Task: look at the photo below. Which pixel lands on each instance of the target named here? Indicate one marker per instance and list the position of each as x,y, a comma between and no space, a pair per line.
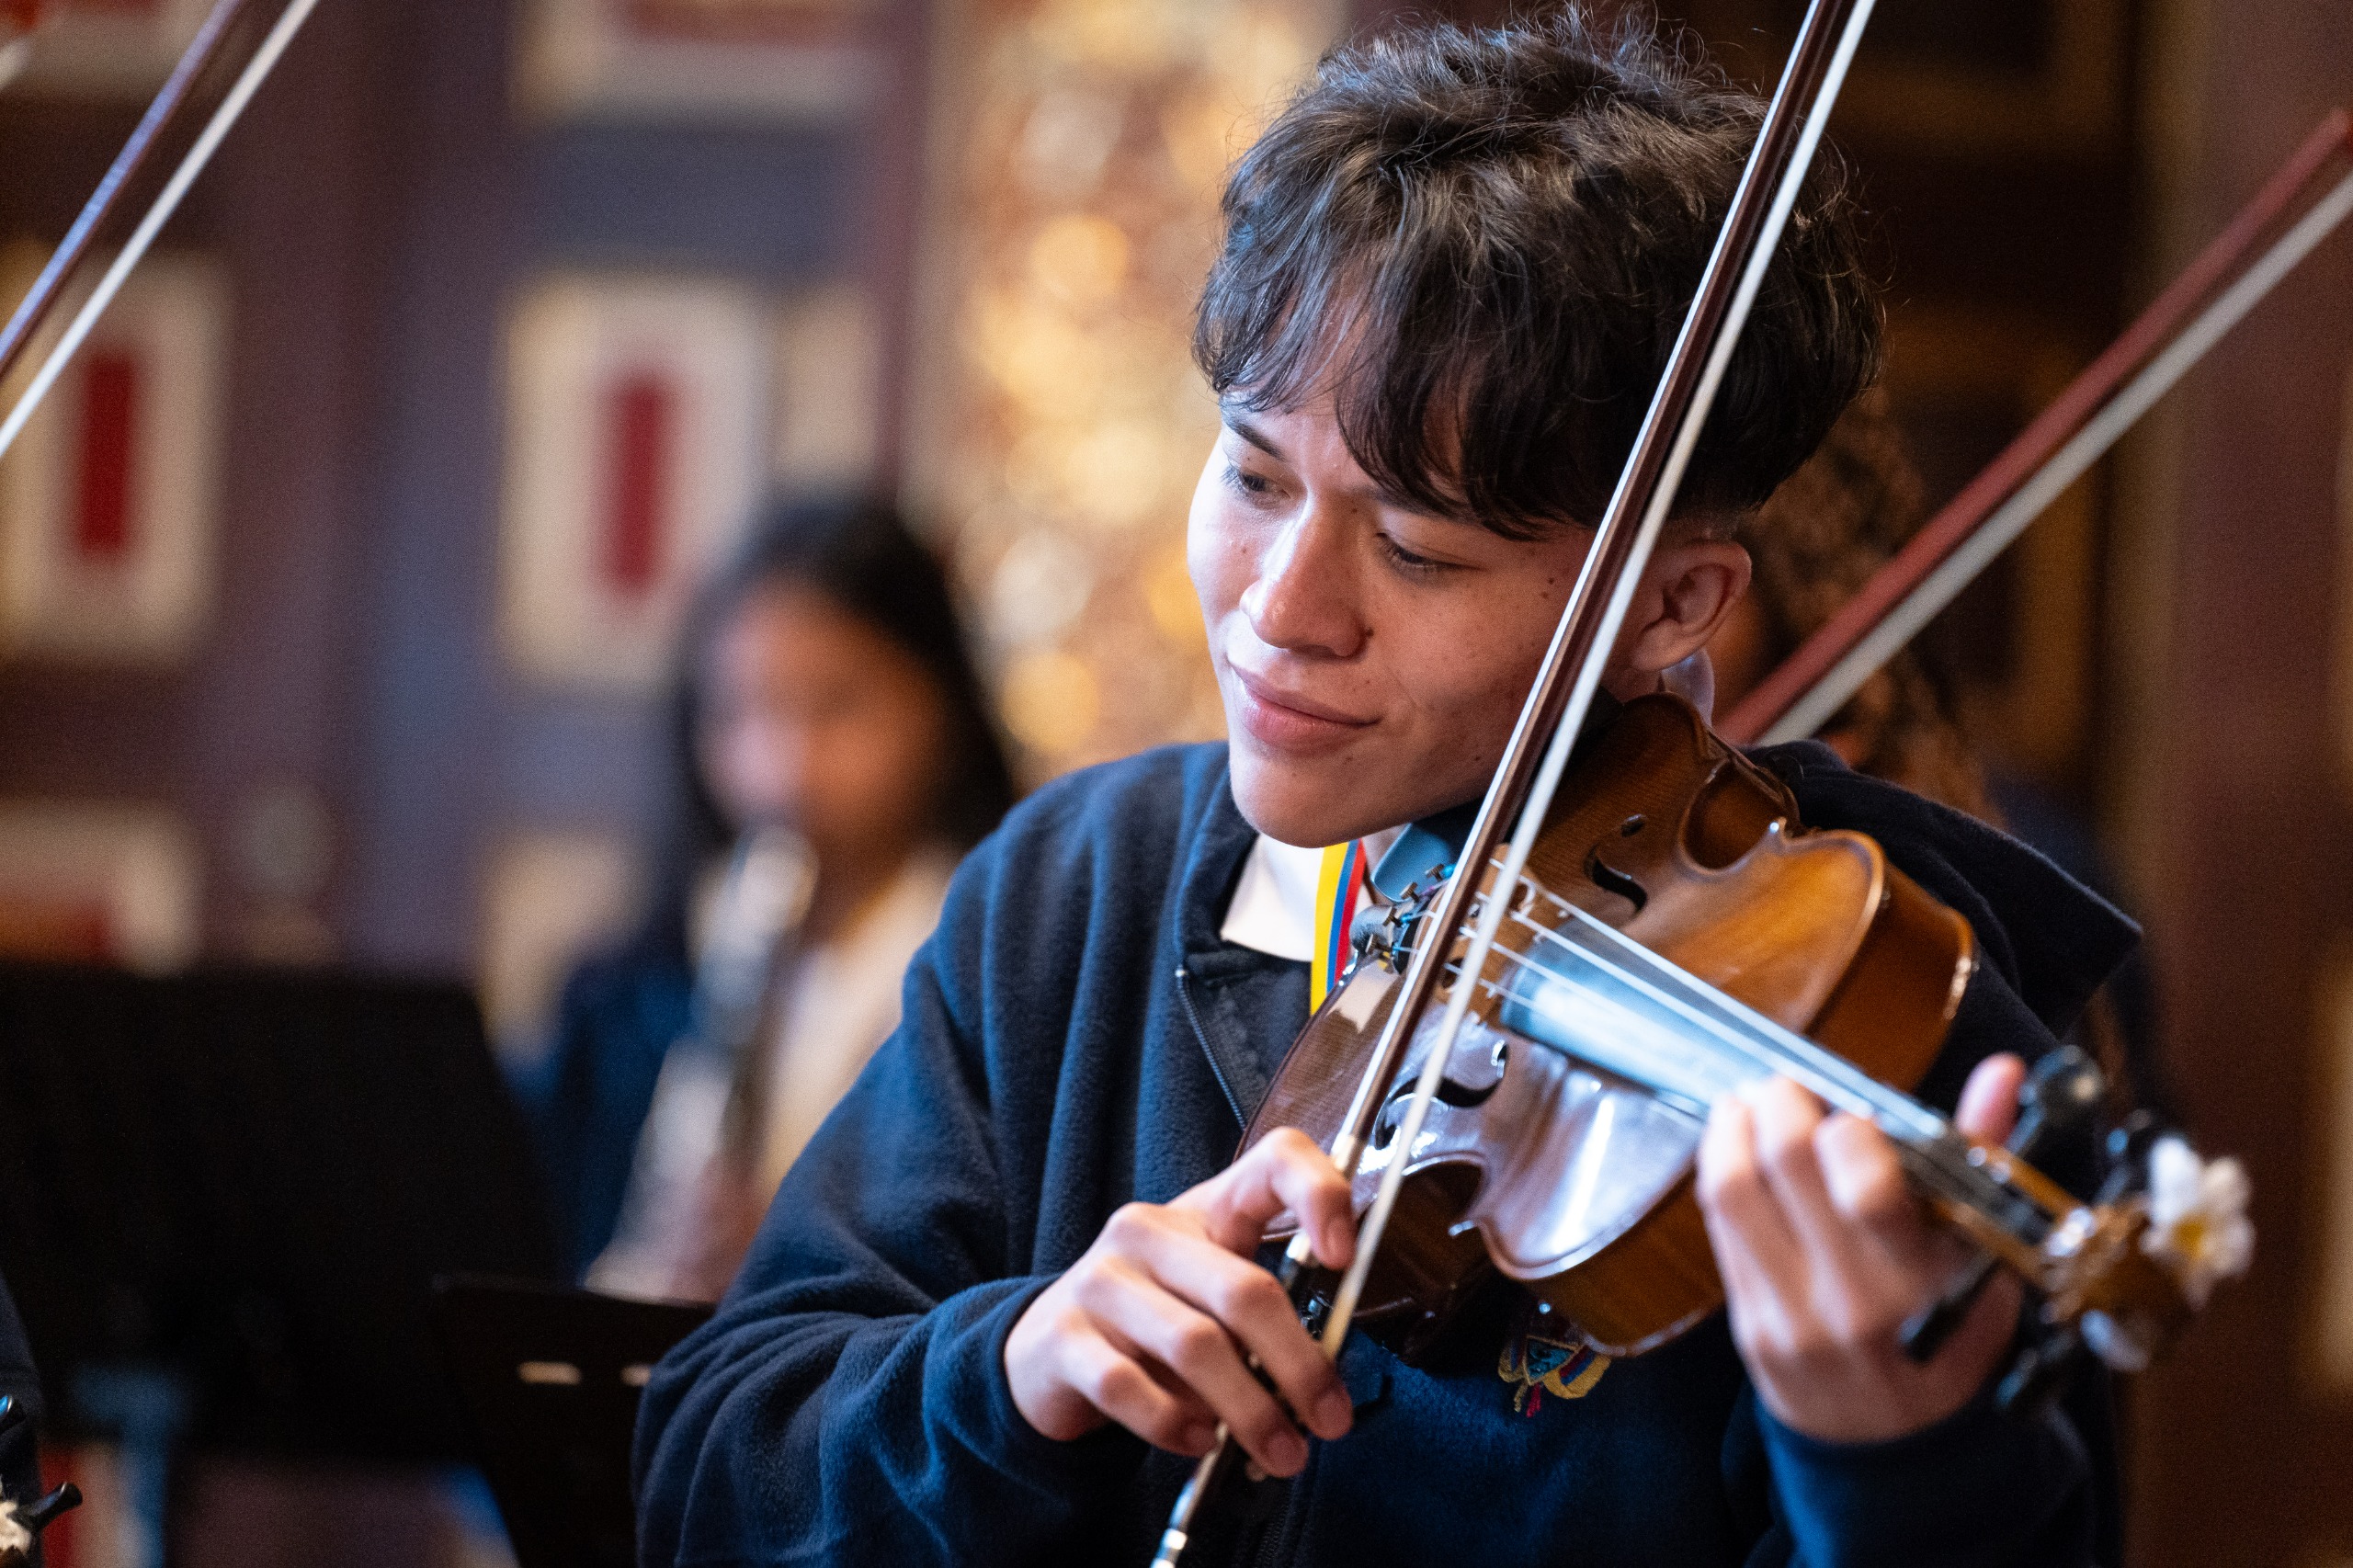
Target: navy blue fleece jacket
1076,1036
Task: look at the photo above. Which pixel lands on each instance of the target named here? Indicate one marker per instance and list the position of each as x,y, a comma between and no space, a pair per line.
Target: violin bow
1532,764
173,105
2295,211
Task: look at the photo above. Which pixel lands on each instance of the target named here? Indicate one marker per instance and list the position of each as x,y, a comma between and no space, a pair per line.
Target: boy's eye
1252,485
1407,561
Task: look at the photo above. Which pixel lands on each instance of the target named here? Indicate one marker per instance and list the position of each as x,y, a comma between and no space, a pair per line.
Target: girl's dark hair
1483,242
1835,522
859,554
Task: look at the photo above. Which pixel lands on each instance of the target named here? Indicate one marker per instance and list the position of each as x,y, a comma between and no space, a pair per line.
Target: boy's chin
1310,807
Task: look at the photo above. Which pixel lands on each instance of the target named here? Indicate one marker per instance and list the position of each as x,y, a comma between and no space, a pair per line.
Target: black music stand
550,1379
240,1186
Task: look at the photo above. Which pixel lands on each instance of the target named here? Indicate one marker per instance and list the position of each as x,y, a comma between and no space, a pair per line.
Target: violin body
1573,1181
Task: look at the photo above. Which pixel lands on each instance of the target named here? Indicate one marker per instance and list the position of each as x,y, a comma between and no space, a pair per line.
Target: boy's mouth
1289,720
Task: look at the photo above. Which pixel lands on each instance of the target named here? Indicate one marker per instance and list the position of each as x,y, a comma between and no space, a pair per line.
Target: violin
1515,1071
1676,935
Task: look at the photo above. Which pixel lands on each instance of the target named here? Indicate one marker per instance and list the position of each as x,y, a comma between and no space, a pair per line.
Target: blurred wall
345,747
2231,774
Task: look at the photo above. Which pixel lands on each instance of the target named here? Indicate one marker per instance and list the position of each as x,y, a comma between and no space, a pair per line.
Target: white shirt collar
1273,908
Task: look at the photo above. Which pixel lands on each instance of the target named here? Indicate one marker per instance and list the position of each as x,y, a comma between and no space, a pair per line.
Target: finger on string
1790,1123
1989,1102
1286,1172
1864,1183
1744,1216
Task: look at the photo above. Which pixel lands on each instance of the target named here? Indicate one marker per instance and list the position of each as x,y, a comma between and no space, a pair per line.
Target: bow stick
170,105
1534,761
2295,211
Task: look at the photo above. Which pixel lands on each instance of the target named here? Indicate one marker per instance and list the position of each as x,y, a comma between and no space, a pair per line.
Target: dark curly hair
1484,242
1835,521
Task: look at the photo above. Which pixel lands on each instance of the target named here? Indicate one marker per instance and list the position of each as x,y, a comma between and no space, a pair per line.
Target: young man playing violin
1012,1285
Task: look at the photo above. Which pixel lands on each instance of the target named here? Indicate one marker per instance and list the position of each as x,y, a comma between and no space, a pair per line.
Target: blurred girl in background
835,757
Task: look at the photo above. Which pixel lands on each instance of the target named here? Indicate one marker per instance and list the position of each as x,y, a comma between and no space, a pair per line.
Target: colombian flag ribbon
1339,893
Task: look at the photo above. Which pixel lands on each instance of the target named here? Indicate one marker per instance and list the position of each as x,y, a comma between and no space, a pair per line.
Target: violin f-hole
1461,1096
1610,878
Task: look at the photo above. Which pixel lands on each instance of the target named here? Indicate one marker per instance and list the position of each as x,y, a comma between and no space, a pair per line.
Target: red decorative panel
641,425
638,441
109,501
103,517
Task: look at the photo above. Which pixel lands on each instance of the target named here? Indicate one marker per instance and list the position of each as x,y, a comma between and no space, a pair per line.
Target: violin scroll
2126,1273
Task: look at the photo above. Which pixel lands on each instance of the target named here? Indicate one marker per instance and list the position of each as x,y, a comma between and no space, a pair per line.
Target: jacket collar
1245,1007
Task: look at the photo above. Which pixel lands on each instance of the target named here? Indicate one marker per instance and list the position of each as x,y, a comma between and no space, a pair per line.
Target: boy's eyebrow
1241,426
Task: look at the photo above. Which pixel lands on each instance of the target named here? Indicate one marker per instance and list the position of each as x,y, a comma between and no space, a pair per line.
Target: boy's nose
1302,599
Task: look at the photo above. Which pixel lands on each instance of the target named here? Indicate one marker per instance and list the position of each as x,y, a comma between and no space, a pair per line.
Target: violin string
1751,1053
1771,1043
1927,1137
1941,1165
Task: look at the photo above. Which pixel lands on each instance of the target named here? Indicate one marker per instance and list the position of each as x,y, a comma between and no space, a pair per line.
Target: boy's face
1372,657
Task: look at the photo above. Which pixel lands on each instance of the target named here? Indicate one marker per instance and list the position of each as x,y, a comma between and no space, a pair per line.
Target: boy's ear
1691,586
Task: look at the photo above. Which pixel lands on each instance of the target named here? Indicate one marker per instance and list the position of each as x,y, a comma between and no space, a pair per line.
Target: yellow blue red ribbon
1339,892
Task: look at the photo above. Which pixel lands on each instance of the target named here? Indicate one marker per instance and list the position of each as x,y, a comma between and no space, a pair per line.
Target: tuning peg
2065,1089
38,1516
2128,1155
2035,1377
1925,1332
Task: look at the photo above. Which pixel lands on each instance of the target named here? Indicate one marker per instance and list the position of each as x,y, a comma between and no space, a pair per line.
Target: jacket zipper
1193,1016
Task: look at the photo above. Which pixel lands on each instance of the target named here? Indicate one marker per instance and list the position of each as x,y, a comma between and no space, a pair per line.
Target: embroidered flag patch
1534,1365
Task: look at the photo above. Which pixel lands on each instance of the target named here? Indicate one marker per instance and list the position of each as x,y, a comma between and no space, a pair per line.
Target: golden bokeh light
1080,259
1051,700
1062,434
1175,608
